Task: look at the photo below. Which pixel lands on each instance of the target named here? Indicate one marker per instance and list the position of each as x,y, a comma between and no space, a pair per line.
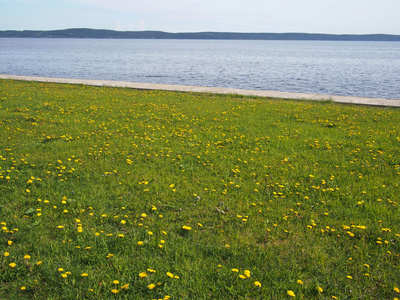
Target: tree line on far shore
112,34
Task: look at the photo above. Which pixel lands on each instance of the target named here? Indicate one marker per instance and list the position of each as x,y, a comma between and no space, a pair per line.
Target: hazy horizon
250,16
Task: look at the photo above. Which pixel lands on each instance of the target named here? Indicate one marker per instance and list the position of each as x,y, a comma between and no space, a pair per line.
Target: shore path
214,90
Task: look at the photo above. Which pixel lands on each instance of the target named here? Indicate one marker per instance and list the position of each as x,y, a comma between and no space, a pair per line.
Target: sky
310,16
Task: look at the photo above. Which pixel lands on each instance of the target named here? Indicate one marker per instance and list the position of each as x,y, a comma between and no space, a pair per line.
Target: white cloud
140,25
330,16
134,5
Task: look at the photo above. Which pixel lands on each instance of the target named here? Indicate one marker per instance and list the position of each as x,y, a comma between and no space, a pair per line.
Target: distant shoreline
87,33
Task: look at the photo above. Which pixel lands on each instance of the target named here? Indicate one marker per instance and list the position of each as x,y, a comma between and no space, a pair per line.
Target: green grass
304,195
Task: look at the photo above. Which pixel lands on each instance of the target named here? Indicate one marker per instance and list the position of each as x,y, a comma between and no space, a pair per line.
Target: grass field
117,193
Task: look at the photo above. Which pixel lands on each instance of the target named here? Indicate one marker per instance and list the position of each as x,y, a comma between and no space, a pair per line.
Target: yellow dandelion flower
6,254
235,270
23,288
300,281
151,286
247,273
114,291
396,289
140,243
143,274
123,222
151,270
187,227
291,293
115,282
320,289
169,274
257,283
84,274
27,257
12,265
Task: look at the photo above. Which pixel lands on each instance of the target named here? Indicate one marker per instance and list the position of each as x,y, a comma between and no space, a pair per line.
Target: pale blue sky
312,16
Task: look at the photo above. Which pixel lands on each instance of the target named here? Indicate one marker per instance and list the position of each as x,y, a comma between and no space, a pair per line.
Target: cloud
330,16
189,11
137,5
178,8
130,26
141,25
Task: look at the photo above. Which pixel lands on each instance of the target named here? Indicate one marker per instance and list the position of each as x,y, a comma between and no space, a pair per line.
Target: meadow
113,193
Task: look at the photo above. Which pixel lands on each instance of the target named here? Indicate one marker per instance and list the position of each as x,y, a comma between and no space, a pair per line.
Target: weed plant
113,193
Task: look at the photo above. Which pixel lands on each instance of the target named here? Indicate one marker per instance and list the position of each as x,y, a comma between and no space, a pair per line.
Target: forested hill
111,34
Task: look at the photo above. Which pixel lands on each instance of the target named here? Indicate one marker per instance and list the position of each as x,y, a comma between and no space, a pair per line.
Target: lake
363,69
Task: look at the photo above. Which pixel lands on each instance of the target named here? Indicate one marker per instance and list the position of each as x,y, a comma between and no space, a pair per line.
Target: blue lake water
364,69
